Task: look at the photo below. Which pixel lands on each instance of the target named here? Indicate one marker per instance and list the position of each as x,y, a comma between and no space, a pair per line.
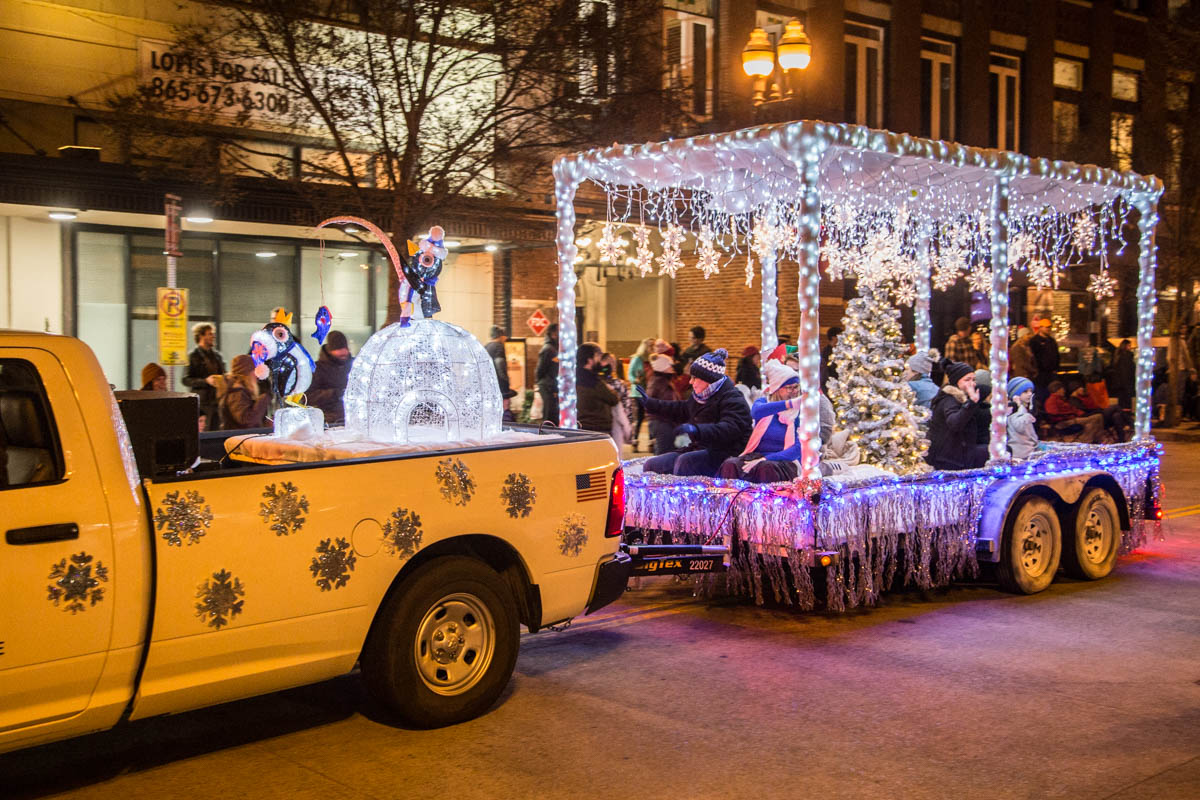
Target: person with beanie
952,426
238,399
594,399
983,409
154,378
714,420
920,365
774,448
330,377
1022,425
658,387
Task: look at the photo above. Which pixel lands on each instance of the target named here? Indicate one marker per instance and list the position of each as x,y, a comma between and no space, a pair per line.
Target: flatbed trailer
1075,505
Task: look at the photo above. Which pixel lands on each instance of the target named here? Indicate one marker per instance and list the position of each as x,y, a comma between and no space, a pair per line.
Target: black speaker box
164,428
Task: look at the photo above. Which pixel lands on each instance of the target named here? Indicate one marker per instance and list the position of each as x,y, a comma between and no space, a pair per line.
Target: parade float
900,216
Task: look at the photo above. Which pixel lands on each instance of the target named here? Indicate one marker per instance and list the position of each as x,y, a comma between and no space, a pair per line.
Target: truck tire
444,645
1091,551
1031,547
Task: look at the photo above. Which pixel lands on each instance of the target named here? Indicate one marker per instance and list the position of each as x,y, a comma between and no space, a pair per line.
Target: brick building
1066,79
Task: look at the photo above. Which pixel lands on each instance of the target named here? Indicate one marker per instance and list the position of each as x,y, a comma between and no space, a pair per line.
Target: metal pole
567,177
171,207
1147,206
998,359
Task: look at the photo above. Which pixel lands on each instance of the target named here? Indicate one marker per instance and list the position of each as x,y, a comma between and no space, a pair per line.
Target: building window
937,89
1130,5
1174,162
1125,85
1005,73
1066,128
1068,74
689,68
597,62
1122,140
864,74
1177,96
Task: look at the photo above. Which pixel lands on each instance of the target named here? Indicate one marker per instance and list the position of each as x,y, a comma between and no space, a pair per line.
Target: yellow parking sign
172,326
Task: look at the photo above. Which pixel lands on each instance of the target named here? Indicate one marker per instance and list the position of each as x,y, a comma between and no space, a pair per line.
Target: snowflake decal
455,480
333,564
220,599
76,583
402,533
572,534
284,508
644,255
184,517
518,495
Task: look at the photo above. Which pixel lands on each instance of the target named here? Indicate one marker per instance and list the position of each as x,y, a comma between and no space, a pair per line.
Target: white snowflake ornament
1102,285
708,260
644,255
611,247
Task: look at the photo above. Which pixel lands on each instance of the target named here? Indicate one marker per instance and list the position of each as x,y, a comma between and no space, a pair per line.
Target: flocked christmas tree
870,395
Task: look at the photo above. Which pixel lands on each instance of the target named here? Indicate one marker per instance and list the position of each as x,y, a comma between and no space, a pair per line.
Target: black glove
639,393
687,428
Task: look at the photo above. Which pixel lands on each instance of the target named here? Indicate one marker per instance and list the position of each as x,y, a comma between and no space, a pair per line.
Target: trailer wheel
1092,551
444,645
1031,547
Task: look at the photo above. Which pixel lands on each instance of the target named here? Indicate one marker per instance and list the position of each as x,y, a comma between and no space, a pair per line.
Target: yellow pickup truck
129,595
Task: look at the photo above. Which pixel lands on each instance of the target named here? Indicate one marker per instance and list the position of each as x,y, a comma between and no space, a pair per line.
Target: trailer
911,215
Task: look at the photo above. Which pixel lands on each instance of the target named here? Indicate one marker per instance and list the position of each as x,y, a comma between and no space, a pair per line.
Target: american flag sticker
591,485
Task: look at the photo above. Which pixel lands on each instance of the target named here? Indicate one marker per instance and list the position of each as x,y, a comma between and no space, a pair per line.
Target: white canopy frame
747,169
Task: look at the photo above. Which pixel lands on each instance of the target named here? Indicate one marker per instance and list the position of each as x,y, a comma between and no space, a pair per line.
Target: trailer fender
1002,495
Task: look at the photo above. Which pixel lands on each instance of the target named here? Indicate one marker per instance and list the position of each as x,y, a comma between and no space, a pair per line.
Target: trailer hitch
677,559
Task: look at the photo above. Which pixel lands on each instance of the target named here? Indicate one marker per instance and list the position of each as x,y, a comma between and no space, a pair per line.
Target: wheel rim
1036,544
454,645
1099,530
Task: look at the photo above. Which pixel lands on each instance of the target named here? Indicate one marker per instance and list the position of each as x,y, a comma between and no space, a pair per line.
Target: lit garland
923,527
926,194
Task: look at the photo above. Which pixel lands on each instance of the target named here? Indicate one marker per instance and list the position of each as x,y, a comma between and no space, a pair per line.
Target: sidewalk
1183,432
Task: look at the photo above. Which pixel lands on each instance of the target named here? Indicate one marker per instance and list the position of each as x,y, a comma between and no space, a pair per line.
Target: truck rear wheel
444,645
1031,547
1091,552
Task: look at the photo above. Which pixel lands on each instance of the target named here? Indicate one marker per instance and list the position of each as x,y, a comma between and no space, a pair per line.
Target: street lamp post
794,52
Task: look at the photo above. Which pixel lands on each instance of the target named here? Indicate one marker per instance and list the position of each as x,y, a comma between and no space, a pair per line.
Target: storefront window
102,314
255,278
343,284
148,271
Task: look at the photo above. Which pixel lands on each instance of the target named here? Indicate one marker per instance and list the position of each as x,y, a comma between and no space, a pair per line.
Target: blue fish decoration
324,321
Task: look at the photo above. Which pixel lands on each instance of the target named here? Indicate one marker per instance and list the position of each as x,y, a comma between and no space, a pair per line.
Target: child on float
1022,425
714,422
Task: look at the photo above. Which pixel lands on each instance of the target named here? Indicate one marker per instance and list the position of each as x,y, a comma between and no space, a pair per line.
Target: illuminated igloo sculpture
429,381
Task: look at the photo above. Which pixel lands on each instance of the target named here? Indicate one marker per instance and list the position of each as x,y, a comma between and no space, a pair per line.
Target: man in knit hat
330,377
715,420
952,426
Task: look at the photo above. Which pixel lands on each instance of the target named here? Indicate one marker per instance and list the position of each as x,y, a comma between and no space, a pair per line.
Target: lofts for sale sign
230,87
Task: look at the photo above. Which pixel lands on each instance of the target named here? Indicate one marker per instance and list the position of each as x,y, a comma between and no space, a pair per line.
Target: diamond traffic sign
538,322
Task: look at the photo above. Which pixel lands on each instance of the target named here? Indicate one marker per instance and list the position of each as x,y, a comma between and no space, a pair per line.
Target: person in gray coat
1022,427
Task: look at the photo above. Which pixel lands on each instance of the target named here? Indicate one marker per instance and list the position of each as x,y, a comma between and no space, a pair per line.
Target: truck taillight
615,525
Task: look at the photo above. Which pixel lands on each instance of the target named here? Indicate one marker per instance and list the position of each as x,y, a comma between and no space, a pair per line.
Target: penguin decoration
277,354
423,270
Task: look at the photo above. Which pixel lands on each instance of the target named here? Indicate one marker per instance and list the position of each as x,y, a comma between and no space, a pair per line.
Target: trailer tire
444,645
1031,547
1095,538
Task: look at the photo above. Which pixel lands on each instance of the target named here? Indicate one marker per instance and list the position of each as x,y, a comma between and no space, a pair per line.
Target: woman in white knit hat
774,447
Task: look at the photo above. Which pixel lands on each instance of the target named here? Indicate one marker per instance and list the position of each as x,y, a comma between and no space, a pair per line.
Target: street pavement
1088,690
